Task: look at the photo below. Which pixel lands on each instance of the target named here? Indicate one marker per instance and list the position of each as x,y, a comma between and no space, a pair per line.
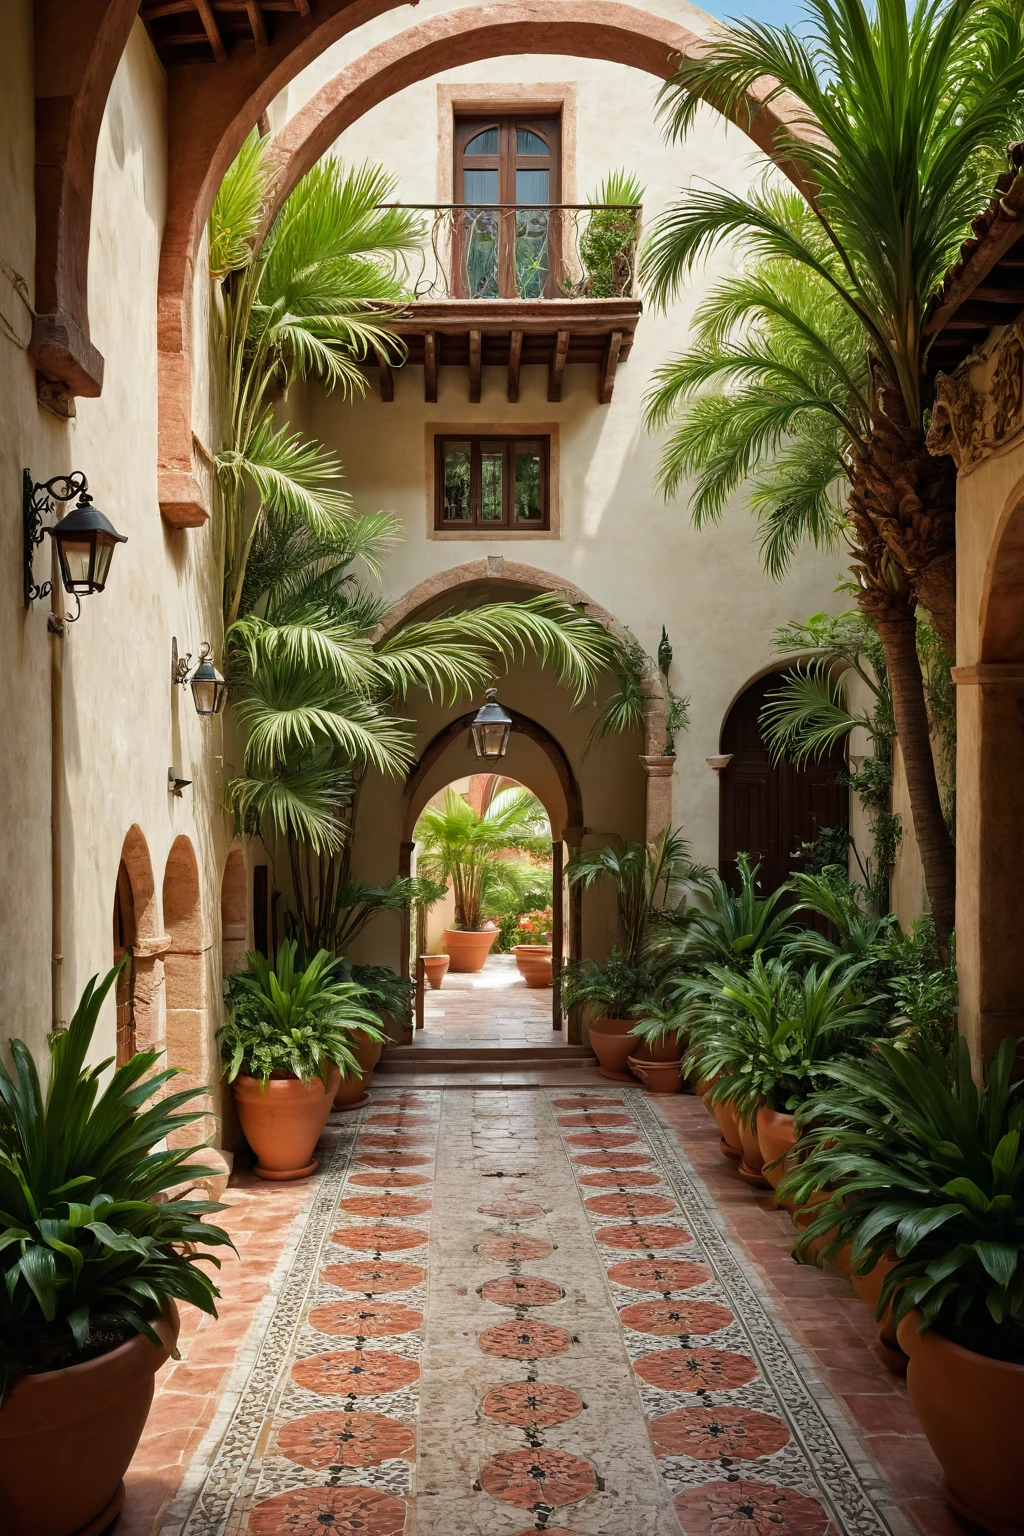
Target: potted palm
287,1047
533,955
93,1256
461,847
614,992
928,1178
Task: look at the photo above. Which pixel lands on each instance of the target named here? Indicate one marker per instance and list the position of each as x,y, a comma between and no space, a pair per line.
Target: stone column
659,772
990,854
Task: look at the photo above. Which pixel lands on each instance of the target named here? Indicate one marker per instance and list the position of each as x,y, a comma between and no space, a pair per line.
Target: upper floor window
491,482
507,178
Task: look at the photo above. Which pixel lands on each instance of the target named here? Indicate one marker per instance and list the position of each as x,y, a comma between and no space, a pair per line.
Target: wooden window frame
507,161
508,524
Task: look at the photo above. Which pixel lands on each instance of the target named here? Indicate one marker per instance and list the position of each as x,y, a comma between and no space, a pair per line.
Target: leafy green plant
512,888
767,1033
89,1253
644,875
335,906
616,989
462,847
926,1166
292,1021
609,240
384,989
728,927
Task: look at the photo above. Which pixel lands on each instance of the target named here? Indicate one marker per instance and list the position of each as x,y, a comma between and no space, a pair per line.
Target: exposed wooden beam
212,30
430,368
556,367
385,377
259,26
515,357
168,8
302,6
608,367
475,368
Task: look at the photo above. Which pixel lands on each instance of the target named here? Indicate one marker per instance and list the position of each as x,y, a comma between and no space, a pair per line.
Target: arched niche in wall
233,913
769,809
139,991
189,1036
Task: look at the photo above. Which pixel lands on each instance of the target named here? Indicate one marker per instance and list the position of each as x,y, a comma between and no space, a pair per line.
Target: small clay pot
776,1137
656,1076
970,1408
90,1417
612,1041
728,1124
468,950
282,1121
435,968
752,1160
534,963
869,1289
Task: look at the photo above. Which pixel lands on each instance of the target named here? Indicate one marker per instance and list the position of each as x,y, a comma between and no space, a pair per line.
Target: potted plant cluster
288,1049
613,993
533,954
462,848
93,1256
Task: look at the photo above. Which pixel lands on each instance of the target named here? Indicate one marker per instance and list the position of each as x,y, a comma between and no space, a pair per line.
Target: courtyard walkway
494,1313
494,1008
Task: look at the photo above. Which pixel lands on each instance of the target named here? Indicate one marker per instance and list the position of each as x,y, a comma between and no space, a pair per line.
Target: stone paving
494,1313
493,1008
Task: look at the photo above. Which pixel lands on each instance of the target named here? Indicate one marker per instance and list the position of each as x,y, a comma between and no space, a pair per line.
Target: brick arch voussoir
209,121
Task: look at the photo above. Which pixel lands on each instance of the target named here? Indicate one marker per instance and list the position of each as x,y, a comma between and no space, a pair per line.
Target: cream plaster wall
123,723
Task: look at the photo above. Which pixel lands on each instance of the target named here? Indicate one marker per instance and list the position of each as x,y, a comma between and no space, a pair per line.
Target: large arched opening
137,947
189,1036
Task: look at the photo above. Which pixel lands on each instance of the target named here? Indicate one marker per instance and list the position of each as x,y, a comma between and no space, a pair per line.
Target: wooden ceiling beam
608,367
257,23
556,368
212,30
385,377
475,367
515,358
430,368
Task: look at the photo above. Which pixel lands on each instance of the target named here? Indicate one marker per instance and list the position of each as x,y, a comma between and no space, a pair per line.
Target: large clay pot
67,1437
776,1136
971,1409
351,1091
869,1289
662,1050
435,968
534,962
728,1124
282,1121
657,1076
468,950
752,1160
612,1041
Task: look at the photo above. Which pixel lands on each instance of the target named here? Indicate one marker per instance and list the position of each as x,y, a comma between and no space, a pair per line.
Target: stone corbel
152,948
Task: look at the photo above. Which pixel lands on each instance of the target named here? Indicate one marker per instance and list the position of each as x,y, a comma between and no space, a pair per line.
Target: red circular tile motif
612,1159
384,1205
321,1440
380,1239
667,1317
365,1319
392,1159
747,1508
394,1139
709,1433
618,1178
367,1276
695,1370
605,1141
644,1235
512,1210
512,1248
590,1118
389,1180
532,1404
362,1371
538,1479
630,1205
525,1340
522,1291
329,1512
659,1274
586,1101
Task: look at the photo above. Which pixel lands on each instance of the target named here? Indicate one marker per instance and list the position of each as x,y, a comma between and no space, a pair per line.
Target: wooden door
768,810
507,178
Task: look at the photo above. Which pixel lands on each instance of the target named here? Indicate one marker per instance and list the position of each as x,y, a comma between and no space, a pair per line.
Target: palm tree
776,399
462,847
645,876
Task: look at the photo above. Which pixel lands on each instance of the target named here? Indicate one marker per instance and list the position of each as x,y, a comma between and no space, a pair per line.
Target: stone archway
210,116
189,1043
140,992
233,913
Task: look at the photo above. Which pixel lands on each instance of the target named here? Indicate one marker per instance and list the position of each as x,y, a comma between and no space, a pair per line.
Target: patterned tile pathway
504,1313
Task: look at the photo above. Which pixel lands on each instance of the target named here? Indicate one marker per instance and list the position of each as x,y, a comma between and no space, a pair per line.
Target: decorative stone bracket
971,423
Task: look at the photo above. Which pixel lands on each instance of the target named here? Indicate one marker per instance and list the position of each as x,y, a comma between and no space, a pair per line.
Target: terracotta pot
534,962
664,1050
802,1216
351,1091
657,1076
612,1041
776,1136
67,1437
728,1124
467,951
282,1121
869,1289
752,1161
970,1408
435,967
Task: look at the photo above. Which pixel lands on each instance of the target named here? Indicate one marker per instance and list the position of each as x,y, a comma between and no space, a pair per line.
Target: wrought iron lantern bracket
39,508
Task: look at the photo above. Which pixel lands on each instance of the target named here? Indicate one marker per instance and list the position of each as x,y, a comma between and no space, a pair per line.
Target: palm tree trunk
898,633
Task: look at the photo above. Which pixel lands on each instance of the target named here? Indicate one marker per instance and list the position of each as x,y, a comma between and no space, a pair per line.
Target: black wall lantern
84,539
209,690
490,727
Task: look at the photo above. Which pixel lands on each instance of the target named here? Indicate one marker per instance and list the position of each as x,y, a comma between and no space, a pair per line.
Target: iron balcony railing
506,251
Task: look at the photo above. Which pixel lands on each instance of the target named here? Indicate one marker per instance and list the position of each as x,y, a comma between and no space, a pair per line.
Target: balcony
514,286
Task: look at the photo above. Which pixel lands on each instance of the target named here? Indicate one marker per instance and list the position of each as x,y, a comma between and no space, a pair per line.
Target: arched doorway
189,1038
769,809
138,990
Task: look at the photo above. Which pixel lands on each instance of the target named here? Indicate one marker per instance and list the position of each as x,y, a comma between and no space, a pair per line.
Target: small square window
491,483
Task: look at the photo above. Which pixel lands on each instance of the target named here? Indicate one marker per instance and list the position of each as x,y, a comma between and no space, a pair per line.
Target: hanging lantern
85,541
490,727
